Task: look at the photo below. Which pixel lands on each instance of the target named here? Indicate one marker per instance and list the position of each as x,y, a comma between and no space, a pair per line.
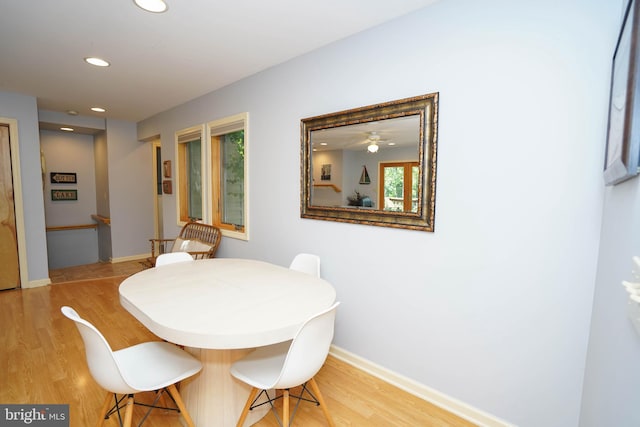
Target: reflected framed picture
325,173
623,133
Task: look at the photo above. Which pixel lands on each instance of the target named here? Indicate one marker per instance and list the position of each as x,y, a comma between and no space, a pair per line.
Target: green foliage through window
233,178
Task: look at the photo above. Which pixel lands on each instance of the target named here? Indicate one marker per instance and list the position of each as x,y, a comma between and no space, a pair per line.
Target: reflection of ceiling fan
373,141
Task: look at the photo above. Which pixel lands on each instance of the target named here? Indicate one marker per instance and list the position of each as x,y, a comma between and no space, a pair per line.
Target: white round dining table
220,309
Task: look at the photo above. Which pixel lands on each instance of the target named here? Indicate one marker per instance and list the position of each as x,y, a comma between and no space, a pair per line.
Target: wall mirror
372,165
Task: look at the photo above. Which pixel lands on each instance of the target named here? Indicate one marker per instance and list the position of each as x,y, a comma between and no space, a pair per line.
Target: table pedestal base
214,398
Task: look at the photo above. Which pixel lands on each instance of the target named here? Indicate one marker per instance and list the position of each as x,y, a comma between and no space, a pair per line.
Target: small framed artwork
63,178
166,186
623,134
57,195
167,168
325,173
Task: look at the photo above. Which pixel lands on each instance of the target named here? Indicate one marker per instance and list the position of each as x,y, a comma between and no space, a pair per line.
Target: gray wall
70,152
612,376
493,308
25,110
103,207
131,191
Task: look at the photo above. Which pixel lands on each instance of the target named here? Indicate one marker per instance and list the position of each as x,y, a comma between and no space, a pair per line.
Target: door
9,267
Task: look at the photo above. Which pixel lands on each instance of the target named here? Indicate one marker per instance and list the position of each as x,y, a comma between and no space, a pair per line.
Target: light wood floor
97,270
42,362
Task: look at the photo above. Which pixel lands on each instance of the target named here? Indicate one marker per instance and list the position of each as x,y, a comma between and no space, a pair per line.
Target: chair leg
183,409
162,398
104,409
285,407
323,405
128,414
245,410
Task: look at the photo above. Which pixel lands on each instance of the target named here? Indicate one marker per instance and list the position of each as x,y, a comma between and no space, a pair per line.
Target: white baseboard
140,257
467,412
36,283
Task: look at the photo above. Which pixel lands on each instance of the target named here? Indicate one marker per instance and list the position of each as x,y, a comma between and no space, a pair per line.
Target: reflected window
399,186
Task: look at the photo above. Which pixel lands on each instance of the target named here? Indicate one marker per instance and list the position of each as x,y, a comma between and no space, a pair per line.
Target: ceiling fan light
372,148
98,62
155,6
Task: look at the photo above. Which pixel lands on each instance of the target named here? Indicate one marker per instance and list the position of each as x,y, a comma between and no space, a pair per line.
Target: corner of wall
36,283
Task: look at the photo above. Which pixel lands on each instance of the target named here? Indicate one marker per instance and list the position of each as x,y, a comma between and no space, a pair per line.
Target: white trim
247,187
139,257
461,409
36,283
17,200
157,199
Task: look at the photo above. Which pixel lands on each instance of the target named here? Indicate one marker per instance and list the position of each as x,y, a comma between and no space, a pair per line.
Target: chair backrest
102,365
201,239
308,350
173,257
306,263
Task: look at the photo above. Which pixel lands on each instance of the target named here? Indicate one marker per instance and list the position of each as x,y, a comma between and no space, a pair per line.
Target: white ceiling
163,60
389,134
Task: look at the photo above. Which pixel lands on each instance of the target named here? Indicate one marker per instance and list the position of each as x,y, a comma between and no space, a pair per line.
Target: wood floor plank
42,361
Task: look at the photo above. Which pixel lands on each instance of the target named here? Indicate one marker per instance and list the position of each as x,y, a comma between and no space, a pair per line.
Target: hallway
97,270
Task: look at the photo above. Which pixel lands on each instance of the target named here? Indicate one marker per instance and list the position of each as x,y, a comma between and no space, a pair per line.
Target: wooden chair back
198,239
205,233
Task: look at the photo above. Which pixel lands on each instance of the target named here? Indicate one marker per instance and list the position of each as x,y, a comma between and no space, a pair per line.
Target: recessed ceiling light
156,6
72,112
98,109
98,62
67,129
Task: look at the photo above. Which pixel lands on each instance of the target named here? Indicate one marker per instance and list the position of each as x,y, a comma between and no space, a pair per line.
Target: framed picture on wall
167,168
63,178
58,195
166,186
623,133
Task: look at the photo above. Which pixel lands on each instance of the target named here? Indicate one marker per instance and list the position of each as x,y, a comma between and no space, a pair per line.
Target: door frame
17,199
158,222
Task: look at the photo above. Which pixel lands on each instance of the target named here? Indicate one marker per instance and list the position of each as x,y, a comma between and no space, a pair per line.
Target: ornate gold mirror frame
344,137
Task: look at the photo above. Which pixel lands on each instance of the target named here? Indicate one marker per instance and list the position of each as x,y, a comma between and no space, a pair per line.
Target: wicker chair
199,240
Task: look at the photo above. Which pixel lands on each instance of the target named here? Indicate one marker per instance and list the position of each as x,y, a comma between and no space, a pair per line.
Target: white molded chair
289,364
307,263
173,257
150,366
